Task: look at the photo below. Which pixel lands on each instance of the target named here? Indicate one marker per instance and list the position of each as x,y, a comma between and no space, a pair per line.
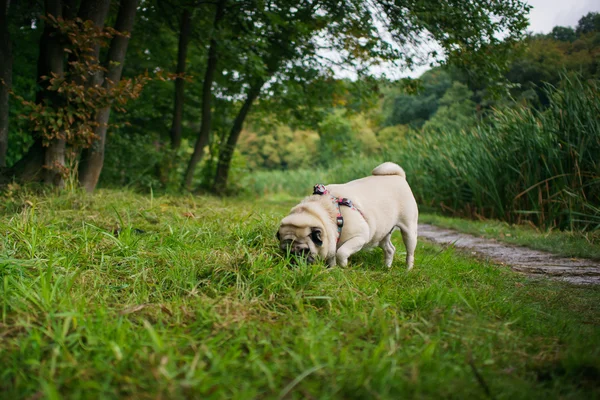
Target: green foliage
278,147
489,37
342,136
271,145
456,111
132,161
68,112
337,139
406,109
589,23
563,34
23,82
545,60
392,135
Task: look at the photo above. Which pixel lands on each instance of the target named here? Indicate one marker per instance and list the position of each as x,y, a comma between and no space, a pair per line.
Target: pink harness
321,190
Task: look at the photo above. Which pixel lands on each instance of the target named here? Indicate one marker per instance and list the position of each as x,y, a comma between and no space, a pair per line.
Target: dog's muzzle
300,253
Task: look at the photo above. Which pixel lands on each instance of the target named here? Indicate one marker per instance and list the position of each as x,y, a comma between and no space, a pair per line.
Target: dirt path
521,259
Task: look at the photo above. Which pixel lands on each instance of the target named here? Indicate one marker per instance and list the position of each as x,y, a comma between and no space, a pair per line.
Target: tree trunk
51,59
30,166
184,39
54,8
226,153
92,159
203,134
167,164
54,155
95,11
54,163
5,78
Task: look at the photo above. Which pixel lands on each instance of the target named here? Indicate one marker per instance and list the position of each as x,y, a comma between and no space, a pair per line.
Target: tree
227,148
563,34
286,44
185,29
457,111
350,27
50,63
253,55
543,62
272,145
298,122
205,124
92,158
588,23
96,12
5,78
76,90
484,46
402,108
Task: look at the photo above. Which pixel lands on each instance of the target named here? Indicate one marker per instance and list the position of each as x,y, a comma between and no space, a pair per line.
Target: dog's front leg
349,247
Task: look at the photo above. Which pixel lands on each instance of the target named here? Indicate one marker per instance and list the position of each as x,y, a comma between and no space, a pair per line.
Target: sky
545,15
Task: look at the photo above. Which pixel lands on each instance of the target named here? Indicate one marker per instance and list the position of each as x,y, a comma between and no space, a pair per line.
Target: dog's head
302,235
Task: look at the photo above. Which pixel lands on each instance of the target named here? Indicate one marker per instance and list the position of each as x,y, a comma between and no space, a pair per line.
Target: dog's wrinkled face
302,242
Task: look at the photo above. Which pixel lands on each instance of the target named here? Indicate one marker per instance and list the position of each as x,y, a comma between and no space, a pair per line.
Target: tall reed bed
522,164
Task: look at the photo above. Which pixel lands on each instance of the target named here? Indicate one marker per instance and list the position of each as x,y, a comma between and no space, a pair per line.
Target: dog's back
385,197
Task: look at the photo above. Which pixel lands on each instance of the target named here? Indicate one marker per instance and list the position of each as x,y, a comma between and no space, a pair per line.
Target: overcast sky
546,14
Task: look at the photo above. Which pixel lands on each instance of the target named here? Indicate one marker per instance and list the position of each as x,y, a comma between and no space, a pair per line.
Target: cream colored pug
340,220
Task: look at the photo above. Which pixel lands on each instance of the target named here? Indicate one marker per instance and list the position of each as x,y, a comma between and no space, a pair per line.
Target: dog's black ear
316,237
278,236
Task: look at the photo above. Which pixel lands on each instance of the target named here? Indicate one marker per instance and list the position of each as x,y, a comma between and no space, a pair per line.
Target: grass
126,296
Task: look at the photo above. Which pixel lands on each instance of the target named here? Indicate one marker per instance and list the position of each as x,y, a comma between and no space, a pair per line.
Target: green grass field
119,295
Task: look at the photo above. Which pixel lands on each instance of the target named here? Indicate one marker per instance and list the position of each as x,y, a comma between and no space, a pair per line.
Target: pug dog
342,219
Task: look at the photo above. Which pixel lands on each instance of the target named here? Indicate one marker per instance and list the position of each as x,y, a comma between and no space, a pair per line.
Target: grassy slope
199,304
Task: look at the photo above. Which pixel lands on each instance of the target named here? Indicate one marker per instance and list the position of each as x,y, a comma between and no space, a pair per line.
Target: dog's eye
315,236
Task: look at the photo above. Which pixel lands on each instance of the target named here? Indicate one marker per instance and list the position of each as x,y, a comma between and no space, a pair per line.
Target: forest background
242,98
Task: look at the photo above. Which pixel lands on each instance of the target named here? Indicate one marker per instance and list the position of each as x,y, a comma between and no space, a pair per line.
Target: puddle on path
522,259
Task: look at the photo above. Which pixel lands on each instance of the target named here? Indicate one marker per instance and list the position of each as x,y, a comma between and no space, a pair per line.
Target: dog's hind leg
330,262
388,249
409,236
347,249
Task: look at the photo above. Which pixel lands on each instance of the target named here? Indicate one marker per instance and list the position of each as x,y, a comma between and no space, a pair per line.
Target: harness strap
321,190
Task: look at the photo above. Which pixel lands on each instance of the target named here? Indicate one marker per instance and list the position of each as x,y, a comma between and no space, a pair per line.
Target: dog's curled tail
389,168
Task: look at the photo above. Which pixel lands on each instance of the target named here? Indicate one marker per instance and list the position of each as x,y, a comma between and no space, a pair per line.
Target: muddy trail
535,263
